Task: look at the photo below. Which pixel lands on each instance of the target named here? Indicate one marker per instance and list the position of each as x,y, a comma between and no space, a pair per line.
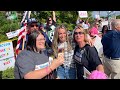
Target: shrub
8,73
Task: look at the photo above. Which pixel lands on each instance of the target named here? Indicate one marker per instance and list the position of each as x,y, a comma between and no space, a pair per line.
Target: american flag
23,30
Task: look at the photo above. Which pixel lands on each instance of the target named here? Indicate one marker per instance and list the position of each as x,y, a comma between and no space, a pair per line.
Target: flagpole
24,39
24,16
29,13
23,31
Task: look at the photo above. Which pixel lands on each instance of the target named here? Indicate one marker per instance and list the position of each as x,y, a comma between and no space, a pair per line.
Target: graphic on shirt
77,58
78,54
37,67
51,34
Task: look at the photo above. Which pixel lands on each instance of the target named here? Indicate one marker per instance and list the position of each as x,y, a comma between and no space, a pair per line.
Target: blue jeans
66,72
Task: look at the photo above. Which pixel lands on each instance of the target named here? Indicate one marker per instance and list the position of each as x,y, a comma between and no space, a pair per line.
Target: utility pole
99,13
109,22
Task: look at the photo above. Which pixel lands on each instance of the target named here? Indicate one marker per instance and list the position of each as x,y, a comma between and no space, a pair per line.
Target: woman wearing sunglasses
85,56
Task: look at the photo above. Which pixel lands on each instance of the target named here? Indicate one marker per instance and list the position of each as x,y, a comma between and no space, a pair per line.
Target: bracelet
48,71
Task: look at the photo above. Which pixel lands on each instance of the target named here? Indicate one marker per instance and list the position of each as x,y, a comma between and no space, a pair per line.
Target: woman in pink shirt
94,30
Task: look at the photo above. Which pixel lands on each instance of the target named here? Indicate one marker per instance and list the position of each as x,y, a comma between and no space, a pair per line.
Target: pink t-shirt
93,31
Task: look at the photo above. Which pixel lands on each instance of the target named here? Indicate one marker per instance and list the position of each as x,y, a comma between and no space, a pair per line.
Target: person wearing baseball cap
32,24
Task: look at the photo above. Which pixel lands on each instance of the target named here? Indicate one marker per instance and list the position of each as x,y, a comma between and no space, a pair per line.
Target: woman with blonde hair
61,44
85,55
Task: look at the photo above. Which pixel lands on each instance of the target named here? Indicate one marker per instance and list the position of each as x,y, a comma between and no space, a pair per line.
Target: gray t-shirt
29,61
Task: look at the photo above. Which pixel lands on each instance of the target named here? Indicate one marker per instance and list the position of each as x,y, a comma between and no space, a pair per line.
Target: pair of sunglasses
34,25
79,33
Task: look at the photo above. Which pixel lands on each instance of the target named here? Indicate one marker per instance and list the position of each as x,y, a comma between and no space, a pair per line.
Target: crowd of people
91,47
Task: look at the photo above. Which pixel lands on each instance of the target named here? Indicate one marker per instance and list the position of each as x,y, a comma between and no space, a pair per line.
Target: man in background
111,50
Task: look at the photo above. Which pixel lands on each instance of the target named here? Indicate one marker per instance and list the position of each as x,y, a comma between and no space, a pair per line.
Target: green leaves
66,17
8,73
7,26
118,17
12,16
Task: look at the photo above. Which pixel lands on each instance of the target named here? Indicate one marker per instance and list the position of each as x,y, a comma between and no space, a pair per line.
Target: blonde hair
56,40
82,30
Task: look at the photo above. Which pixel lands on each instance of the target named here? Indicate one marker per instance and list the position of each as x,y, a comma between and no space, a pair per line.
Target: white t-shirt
98,45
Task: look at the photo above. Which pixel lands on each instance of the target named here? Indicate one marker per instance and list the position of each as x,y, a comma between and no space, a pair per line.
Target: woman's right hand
58,61
90,41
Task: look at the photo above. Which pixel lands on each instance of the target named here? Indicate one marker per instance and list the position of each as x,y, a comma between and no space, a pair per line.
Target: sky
105,13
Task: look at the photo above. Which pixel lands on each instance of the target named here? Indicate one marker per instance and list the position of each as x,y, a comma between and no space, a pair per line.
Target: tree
118,17
7,26
66,17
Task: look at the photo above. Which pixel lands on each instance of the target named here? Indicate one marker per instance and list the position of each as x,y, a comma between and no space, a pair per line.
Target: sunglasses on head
79,33
34,25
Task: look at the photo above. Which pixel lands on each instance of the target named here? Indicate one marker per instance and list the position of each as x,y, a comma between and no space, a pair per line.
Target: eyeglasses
79,33
34,25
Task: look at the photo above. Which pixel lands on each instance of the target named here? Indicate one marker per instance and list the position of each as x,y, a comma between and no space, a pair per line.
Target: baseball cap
31,20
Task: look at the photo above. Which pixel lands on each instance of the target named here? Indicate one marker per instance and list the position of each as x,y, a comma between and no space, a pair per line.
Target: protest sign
7,63
7,58
83,14
13,34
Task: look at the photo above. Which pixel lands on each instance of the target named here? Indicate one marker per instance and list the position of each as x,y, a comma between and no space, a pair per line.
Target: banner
7,63
13,34
104,23
97,16
7,58
6,50
83,14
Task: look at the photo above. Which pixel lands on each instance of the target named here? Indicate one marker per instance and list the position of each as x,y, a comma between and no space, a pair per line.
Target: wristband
48,71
